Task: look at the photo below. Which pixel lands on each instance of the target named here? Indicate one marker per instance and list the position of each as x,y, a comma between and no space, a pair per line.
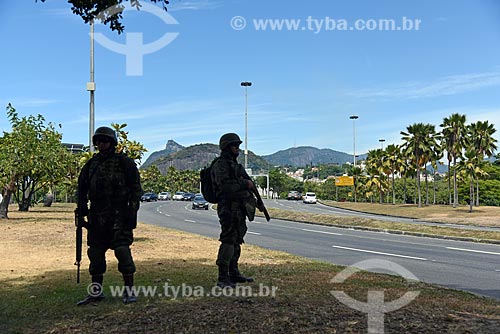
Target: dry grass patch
483,215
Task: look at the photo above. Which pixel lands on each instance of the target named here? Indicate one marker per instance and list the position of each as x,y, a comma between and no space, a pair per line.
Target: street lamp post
354,118
382,142
246,84
91,88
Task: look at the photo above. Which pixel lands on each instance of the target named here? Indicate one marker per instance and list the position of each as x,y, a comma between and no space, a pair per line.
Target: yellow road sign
344,181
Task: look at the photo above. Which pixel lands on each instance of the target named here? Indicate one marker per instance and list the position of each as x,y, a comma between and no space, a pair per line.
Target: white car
178,196
309,198
164,196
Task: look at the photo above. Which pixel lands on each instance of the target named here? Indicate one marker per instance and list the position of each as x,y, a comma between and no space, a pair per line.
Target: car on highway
309,198
294,195
188,196
148,197
200,203
164,196
178,196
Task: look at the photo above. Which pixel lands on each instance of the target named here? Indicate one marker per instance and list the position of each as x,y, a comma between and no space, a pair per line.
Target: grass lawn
38,290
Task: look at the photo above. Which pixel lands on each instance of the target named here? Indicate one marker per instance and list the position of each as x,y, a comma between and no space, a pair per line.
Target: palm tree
454,141
436,155
481,140
395,161
377,167
470,167
418,142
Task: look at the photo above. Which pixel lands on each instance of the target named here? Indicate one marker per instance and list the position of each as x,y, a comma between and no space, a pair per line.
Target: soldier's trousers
232,220
102,238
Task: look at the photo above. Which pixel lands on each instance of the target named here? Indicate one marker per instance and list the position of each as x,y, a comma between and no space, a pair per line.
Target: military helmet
228,139
104,131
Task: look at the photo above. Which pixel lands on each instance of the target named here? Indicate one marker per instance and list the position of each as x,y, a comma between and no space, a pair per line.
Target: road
460,265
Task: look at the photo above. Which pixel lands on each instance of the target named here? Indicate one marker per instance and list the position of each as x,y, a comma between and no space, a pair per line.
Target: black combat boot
128,281
235,276
223,280
96,293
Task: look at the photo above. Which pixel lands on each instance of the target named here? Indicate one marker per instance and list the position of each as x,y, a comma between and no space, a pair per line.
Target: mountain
307,155
170,148
198,156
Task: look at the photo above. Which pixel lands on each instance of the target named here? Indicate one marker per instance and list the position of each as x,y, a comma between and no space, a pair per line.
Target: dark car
188,196
199,203
294,195
148,197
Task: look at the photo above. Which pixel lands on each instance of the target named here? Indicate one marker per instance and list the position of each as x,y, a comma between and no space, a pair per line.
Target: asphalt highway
459,265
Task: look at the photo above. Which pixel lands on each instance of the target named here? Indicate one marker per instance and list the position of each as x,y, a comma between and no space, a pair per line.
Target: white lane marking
472,250
324,232
254,233
190,221
381,253
166,214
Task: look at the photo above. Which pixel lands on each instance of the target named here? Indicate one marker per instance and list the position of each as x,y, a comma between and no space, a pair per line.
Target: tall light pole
91,88
382,140
354,118
246,84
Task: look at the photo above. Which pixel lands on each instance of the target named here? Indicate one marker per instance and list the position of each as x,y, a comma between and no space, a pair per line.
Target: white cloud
450,85
193,5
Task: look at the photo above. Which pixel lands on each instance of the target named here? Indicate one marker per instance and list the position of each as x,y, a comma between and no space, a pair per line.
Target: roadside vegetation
38,289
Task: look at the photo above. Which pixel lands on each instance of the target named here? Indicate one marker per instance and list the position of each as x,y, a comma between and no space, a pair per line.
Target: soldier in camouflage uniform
234,201
110,181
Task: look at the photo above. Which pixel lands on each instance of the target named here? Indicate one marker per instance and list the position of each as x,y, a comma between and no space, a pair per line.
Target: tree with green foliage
454,132
109,12
470,168
418,142
33,157
480,138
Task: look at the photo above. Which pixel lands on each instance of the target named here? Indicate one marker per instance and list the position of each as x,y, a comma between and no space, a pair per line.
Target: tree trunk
477,192
393,191
404,190
418,187
24,204
449,180
7,194
471,194
455,190
426,189
4,205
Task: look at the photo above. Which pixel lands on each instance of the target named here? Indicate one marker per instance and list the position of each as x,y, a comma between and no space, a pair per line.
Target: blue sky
307,80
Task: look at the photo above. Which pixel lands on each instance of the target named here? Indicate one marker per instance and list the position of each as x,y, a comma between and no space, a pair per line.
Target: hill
198,156
307,155
170,148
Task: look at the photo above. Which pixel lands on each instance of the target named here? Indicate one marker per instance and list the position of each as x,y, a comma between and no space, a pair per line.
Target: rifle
78,260
260,203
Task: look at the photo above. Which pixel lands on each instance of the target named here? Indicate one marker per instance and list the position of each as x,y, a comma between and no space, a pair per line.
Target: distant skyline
311,65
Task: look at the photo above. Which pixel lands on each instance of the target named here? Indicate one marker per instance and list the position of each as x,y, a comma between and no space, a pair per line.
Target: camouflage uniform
111,183
233,194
